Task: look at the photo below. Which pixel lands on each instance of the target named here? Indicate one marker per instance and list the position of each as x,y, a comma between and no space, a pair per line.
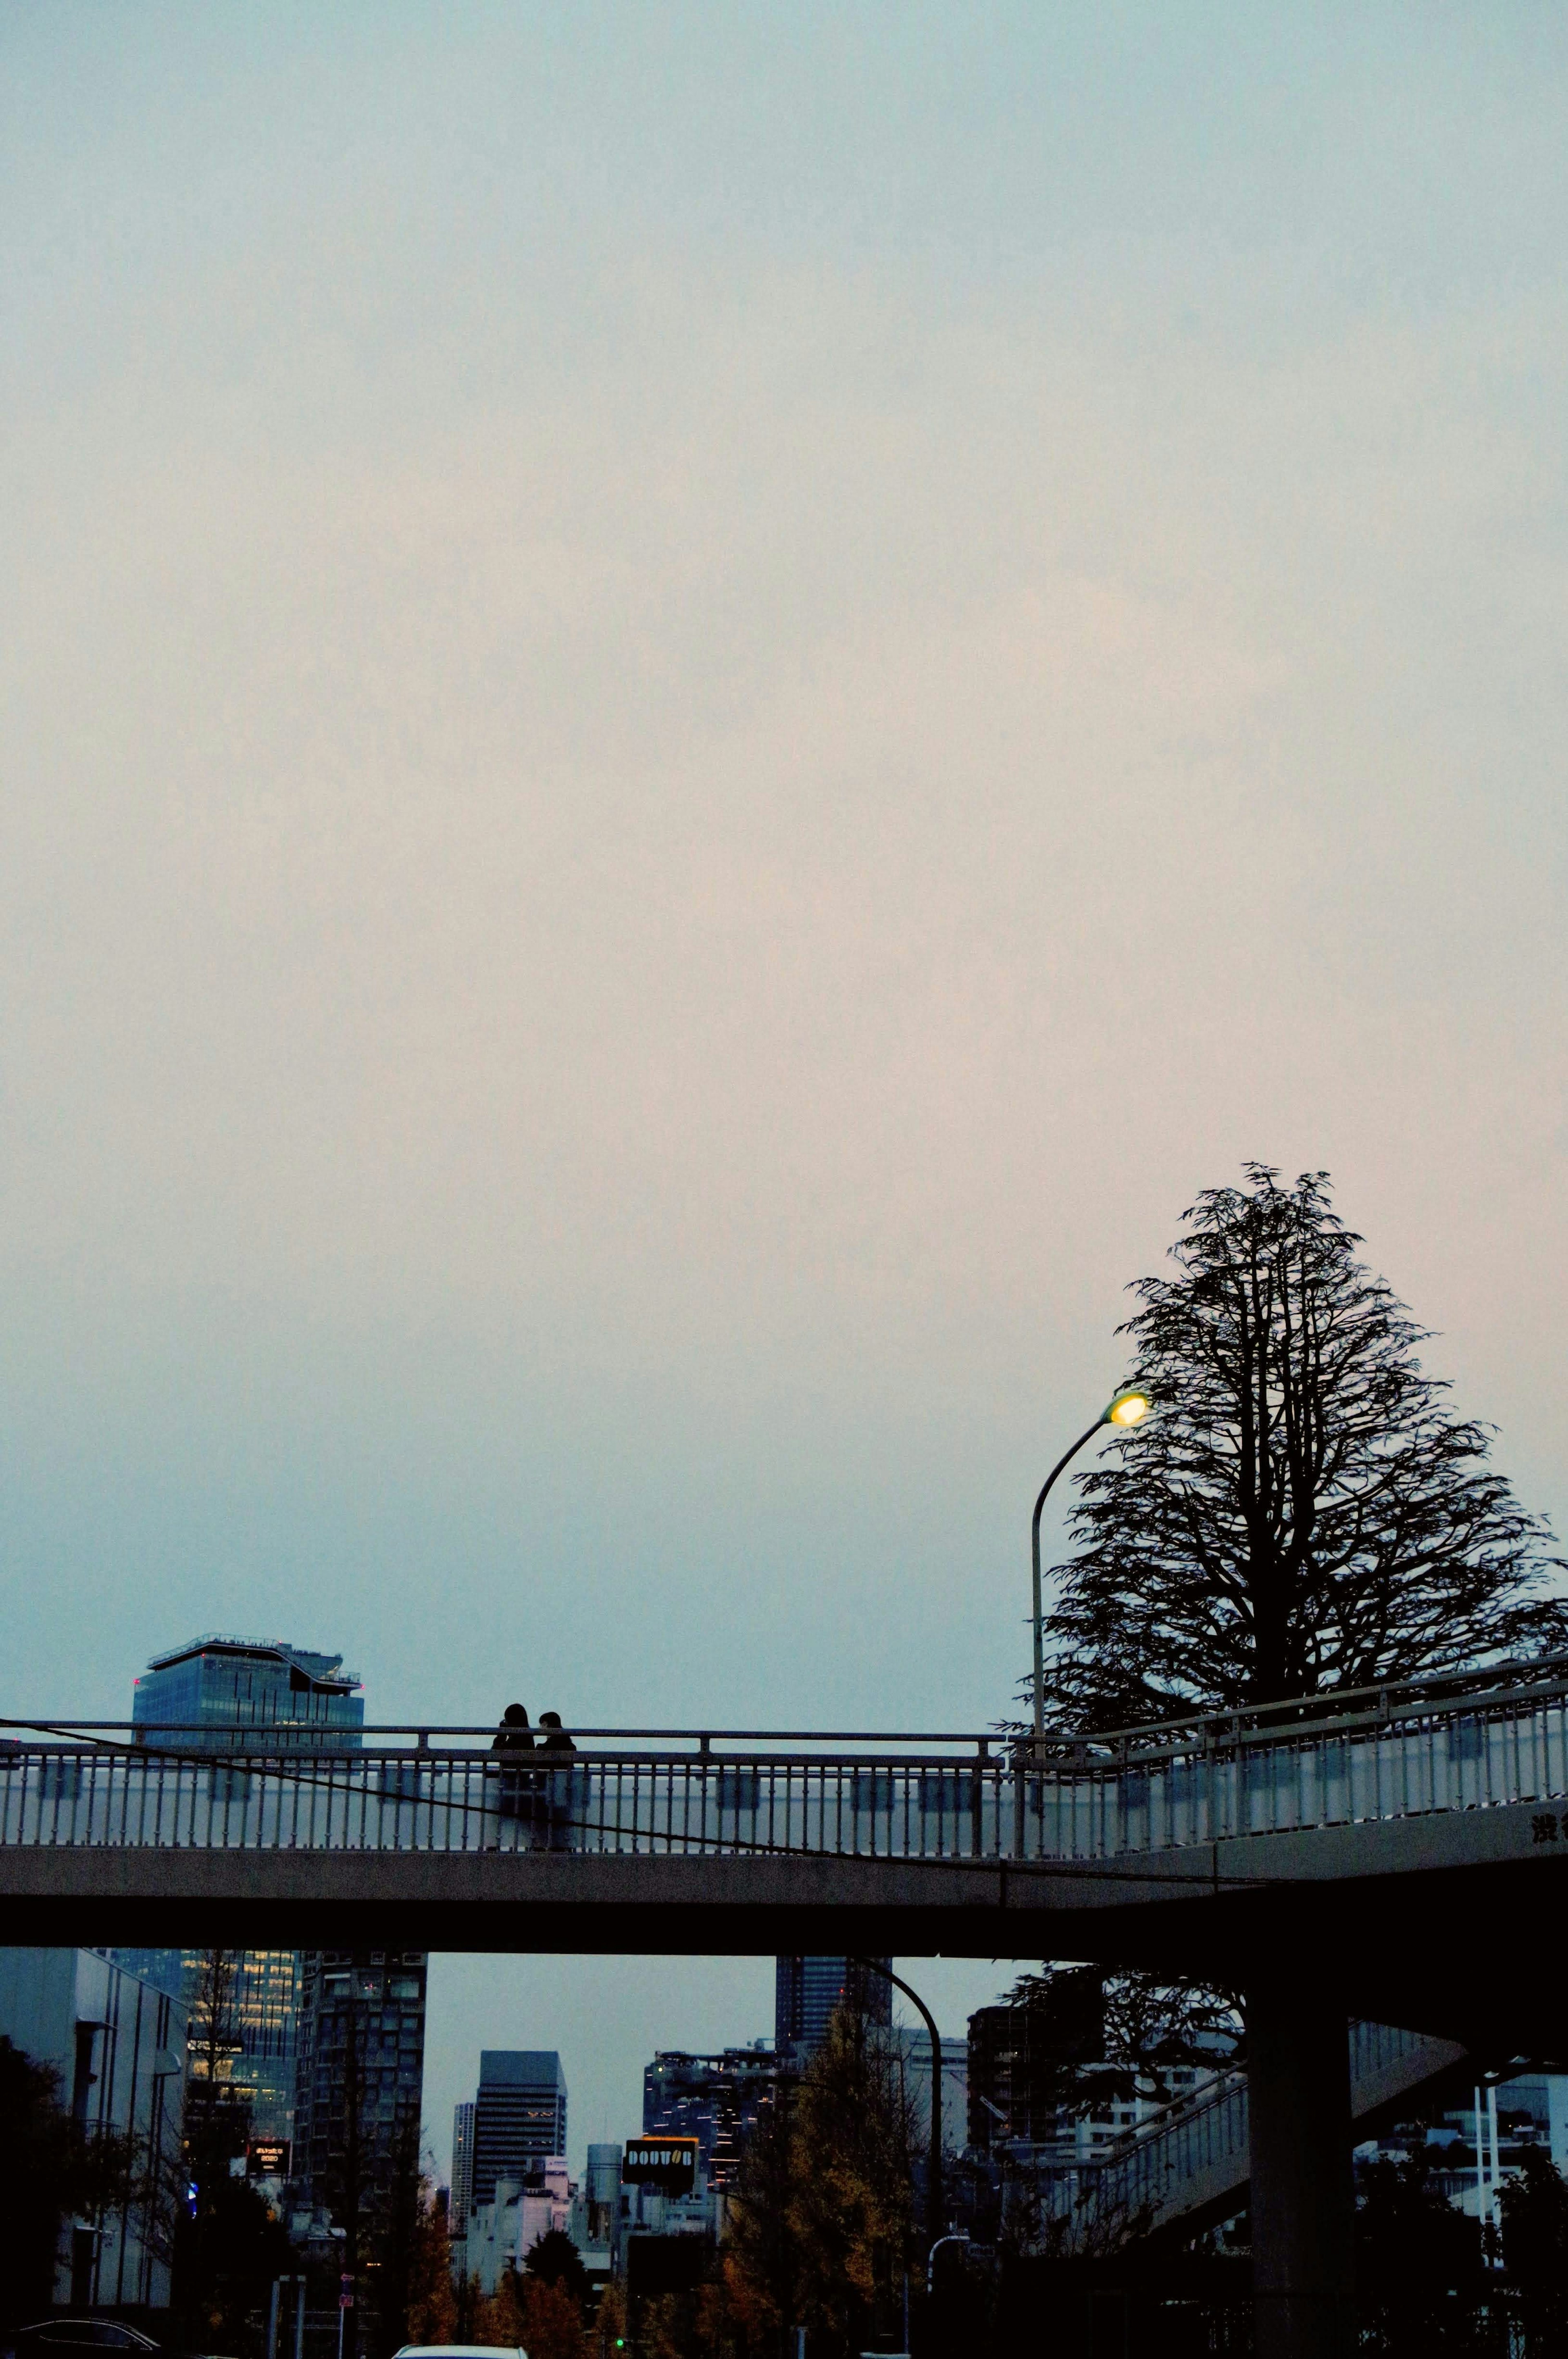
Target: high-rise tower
462,2170
519,2115
808,1993
212,1695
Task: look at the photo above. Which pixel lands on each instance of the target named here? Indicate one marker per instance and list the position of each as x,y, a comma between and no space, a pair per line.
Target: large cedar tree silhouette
1304,1512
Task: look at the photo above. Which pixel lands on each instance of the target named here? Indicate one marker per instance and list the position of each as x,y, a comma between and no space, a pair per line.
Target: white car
462,2351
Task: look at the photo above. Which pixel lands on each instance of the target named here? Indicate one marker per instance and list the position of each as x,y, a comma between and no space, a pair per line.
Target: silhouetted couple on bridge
539,1798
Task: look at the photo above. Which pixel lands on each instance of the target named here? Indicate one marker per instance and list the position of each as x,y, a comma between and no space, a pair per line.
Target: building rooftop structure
215,1691
718,2100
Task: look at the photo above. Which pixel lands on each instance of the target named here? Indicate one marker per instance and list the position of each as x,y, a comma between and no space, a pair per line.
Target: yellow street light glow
1128,1409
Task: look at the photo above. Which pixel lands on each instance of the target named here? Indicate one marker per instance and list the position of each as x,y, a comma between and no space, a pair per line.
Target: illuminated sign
267,2159
668,2163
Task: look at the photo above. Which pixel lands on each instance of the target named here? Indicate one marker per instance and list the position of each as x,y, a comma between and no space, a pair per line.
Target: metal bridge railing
1197,2148
1449,1745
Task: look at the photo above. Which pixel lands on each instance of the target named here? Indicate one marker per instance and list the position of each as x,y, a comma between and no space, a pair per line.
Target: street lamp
934,2205
1128,1408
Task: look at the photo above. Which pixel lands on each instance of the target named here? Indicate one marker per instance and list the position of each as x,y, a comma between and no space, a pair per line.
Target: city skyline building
912,2044
361,2075
808,1993
717,2099
259,2033
216,1692
601,2195
461,2197
119,2045
520,2117
503,2230
220,1692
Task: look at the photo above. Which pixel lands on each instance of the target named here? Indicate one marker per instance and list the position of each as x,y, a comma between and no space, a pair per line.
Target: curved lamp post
934,2204
1127,1408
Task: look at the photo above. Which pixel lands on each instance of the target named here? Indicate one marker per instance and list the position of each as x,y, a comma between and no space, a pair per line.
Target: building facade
360,2089
600,2202
118,2047
461,2203
913,2048
220,1692
718,2100
808,1993
502,2232
519,2117
254,1996
211,1695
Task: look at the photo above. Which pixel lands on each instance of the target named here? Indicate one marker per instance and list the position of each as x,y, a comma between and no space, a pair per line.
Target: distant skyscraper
718,2100
808,1993
1015,2060
361,2061
462,2170
519,2117
216,1692
211,1694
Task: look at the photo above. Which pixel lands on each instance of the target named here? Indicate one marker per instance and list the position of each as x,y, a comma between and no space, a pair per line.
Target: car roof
97,2331
65,2325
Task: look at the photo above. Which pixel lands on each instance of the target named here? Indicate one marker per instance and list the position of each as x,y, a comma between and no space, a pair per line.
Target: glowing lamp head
1129,1407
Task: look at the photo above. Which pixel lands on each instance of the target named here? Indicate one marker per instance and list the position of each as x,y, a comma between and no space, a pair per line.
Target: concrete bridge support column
1302,2202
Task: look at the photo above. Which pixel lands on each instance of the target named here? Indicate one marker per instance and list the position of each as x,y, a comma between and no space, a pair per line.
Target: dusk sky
700,704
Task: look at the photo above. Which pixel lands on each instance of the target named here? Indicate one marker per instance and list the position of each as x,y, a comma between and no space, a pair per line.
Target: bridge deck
1392,1754
1352,1826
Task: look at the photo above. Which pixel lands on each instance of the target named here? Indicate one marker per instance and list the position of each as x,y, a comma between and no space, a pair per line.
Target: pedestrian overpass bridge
1393,1855
1399,1836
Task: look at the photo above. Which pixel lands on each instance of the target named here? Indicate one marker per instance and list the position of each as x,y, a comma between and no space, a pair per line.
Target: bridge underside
1442,1923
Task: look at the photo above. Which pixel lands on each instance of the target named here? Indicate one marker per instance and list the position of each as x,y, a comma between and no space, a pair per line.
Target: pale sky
699,703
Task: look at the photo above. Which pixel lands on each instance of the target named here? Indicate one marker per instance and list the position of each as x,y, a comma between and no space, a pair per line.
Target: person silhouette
513,1736
556,1780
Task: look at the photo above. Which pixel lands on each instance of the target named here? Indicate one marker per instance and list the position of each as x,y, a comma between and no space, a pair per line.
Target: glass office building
808,1993
218,1691
209,1695
256,1994
519,2117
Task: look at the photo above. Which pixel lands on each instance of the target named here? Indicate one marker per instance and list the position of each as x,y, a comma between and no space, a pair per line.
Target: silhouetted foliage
1302,1511
754,2300
1535,2249
1419,2276
552,2319
1104,2039
554,2259
52,2168
410,2274
821,2224
226,2253
225,2261
851,2206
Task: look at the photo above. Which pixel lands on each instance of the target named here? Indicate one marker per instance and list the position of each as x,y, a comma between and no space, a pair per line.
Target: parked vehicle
462,2351
102,2335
